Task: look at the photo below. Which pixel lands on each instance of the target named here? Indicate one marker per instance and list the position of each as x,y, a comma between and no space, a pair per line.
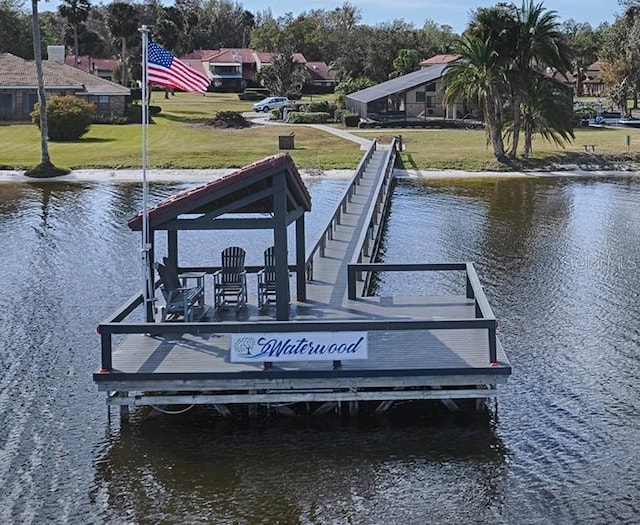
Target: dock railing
474,290
484,317
366,247
341,208
116,325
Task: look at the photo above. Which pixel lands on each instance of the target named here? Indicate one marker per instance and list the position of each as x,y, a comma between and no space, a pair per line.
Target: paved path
342,133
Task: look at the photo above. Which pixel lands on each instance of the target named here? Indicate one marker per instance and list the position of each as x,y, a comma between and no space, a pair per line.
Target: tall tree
547,111
479,77
45,163
435,39
122,20
75,12
15,30
584,43
284,76
406,62
267,34
538,44
220,24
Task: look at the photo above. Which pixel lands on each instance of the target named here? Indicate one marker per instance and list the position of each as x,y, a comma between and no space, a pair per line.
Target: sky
454,13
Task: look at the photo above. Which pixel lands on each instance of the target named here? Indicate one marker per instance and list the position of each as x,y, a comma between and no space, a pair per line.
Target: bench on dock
180,299
588,147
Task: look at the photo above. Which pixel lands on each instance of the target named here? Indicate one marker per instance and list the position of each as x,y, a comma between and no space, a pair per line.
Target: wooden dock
418,347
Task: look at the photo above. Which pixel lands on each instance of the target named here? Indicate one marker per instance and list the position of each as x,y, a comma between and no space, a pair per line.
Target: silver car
270,103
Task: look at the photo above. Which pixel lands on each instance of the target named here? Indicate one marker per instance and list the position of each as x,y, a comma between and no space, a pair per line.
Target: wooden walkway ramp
329,280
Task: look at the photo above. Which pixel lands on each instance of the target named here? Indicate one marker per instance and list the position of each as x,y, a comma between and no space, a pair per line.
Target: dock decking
418,347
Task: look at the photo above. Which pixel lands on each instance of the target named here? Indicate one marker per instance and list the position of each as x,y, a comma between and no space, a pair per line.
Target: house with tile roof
102,67
235,69
321,74
19,84
437,60
592,81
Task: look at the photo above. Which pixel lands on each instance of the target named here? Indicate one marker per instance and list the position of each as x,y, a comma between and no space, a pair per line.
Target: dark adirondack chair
180,300
230,282
267,280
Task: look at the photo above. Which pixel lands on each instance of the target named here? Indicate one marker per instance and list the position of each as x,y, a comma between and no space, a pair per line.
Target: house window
420,96
227,70
102,103
6,105
431,102
28,102
430,87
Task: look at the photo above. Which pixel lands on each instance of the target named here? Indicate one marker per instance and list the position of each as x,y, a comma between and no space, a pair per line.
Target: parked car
270,103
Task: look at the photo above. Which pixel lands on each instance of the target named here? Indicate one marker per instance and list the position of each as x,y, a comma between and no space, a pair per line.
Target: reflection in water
558,259
211,471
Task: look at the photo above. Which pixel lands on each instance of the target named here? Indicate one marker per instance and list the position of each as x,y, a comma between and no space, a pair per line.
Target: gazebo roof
249,190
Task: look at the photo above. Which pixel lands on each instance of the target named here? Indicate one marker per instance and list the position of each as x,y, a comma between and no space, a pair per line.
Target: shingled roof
17,73
249,190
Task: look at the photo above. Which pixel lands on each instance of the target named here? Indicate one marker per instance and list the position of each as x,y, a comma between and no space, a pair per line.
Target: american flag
163,69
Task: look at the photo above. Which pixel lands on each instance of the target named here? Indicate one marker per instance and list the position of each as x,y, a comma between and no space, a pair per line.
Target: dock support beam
124,409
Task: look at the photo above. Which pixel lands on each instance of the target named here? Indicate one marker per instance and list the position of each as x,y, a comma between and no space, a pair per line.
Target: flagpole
148,286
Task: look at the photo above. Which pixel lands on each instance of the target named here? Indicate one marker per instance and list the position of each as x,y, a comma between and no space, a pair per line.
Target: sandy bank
178,175
166,175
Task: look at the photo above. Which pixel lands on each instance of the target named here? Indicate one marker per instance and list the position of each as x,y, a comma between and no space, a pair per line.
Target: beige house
18,88
412,97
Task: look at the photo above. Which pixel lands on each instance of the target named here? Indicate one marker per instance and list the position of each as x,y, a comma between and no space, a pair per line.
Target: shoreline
203,175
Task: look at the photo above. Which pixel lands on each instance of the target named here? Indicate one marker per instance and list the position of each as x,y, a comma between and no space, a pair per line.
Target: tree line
335,36
505,48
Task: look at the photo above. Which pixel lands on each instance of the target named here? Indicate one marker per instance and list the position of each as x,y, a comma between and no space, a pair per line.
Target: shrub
350,120
228,119
315,107
275,114
337,114
68,117
319,117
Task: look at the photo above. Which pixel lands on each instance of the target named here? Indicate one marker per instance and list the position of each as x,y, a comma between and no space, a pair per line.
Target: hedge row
299,117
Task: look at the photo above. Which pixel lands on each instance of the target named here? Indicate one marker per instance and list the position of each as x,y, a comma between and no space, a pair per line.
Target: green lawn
178,138
468,149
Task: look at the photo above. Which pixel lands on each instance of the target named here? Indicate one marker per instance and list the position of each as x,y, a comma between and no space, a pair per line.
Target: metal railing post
107,348
351,282
493,346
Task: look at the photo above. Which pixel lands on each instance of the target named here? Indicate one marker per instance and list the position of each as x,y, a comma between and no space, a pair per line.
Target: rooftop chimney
56,54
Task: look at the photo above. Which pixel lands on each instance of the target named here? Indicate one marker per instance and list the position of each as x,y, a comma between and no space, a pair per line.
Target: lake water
559,259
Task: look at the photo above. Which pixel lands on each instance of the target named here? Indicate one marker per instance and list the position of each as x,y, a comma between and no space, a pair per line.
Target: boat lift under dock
419,347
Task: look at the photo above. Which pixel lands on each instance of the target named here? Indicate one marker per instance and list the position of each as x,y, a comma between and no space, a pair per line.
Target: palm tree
42,98
478,77
546,110
538,43
122,21
75,12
